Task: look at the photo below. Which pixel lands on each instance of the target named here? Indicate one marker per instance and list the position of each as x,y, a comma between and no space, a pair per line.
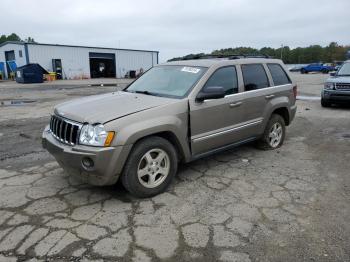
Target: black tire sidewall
129,177
325,103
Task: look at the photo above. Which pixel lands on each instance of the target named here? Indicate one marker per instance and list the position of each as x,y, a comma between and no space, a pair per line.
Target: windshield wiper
145,92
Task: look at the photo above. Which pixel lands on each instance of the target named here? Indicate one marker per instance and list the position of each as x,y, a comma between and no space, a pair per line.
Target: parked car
317,67
296,68
175,112
337,88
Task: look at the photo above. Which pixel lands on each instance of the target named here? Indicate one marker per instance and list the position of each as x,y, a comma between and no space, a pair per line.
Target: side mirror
333,73
210,92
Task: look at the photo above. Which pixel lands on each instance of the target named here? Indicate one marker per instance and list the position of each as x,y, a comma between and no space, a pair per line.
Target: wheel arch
169,136
284,113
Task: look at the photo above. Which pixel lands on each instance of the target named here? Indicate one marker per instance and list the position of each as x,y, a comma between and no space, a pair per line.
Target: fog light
87,162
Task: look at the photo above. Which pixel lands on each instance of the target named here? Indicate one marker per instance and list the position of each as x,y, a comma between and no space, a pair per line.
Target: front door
214,122
9,56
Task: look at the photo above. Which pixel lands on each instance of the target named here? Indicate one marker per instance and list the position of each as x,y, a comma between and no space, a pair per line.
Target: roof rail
227,56
249,56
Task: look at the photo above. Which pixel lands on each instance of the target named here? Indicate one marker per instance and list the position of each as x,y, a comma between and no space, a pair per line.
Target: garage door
102,65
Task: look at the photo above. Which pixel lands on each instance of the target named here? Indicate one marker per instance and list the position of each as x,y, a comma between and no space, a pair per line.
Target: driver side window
225,77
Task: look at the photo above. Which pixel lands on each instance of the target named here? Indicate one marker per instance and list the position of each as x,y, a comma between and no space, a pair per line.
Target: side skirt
220,149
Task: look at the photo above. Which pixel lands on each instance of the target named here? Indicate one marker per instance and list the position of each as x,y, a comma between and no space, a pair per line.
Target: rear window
279,76
254,77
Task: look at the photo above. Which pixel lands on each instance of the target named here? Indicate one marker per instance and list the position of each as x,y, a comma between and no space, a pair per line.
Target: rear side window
254,77
225,77
278,74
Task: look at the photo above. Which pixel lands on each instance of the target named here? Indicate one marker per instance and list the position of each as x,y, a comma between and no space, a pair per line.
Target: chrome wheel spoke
148,158
160,157
152,180
142,172
275,135
153,168
163,170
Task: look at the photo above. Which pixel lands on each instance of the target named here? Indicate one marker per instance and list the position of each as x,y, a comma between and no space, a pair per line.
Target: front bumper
108,161
336,96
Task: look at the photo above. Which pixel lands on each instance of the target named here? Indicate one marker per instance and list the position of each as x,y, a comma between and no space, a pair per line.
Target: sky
177,27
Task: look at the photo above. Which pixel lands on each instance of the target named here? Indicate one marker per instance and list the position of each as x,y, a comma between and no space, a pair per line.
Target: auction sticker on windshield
192,70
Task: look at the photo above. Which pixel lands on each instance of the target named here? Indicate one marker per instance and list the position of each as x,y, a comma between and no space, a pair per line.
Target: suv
337,87
176,112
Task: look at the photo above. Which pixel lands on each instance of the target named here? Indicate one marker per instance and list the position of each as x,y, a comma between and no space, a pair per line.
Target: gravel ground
290,204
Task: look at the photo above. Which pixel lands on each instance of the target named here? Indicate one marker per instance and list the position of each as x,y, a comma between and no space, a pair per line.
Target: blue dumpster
30,73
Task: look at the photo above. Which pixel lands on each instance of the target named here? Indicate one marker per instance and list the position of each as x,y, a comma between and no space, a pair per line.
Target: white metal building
78,61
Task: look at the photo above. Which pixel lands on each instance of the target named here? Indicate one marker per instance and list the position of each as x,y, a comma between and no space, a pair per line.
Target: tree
15,37
30,40
300,55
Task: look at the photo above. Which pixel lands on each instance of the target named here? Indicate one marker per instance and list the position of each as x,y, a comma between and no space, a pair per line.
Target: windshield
344,70
170,81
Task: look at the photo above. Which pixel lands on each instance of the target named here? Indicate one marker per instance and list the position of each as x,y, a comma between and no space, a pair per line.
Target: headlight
95,135
328,85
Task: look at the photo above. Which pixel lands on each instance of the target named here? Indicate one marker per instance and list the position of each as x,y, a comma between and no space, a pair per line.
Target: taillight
295,91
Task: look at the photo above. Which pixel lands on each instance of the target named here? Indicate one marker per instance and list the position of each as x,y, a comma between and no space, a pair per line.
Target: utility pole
282,52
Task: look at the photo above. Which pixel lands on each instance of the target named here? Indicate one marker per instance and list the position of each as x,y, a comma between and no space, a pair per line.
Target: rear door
265,86
283,86
256,95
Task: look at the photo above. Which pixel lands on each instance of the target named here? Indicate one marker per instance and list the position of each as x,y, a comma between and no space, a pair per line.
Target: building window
20,53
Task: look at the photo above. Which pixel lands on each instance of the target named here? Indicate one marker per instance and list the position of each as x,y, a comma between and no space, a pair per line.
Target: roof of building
77,46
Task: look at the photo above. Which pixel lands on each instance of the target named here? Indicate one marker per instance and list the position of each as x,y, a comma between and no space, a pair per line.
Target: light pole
281,51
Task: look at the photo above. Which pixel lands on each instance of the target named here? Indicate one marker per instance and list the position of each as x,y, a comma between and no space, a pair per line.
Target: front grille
342,86
64,130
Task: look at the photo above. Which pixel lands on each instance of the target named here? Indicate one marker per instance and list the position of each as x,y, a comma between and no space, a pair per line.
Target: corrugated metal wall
75,60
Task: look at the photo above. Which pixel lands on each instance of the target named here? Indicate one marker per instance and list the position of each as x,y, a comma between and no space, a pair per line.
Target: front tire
274,133
325,103
150,167
303,71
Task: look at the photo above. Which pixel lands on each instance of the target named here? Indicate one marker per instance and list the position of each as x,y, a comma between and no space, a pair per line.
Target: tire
324,71
303,71
266,142
141,175
325,103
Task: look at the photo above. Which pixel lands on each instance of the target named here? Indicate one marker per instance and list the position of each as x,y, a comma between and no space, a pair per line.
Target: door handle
269,96
235,104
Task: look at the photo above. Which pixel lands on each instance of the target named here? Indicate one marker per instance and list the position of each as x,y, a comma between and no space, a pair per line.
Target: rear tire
303,71
325,103
274,133
150,167
324,71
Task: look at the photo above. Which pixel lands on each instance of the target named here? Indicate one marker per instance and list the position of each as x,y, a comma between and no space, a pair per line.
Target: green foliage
187,57
300,55
15,37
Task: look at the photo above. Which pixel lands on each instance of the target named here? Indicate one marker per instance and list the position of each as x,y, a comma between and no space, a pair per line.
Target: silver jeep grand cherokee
176,112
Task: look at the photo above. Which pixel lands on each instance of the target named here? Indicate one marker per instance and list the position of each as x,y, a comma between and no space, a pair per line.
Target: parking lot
290,204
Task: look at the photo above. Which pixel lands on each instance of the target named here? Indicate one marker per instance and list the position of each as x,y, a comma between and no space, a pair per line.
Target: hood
339,79
107,107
